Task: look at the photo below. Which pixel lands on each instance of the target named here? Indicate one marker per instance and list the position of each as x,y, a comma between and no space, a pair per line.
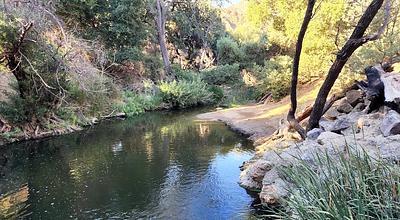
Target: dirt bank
258,121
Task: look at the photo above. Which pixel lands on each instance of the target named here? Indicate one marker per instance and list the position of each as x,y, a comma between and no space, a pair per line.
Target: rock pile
349,123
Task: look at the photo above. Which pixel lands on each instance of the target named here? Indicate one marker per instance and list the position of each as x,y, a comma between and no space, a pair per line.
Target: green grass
355,186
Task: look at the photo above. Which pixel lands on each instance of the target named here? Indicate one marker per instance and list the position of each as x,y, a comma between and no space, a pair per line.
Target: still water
160,165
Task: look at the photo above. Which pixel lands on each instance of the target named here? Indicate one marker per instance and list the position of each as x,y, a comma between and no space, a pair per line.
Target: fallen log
265,98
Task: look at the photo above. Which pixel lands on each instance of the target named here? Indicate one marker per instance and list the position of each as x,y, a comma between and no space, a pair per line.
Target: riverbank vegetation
70,63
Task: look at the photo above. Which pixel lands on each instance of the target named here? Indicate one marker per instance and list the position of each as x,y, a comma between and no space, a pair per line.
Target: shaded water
159,165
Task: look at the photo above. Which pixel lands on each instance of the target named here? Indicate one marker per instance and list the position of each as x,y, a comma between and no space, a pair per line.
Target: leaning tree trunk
356,40
160,22
295,74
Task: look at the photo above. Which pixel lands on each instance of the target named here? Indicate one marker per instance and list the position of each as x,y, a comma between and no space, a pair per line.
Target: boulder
332,113
344,106
390,148
314,133
354,97
391,82
333,139
391,124
251,177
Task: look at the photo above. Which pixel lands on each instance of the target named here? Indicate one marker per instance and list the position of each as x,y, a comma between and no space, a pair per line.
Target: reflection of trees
13,204
121,165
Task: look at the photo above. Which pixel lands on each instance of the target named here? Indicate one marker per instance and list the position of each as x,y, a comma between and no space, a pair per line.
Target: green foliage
39,72
15,108
222,75
121,25
193,26
94,95
185,74
254,53
217,93
183,94
238,95
355,186
135,104
274,76
228,51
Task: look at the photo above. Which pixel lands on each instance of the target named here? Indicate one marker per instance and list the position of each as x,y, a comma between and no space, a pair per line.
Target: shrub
217,93
135,104
355,186
254,53
184,74
184,93
274,77
226,74
228,51
94,94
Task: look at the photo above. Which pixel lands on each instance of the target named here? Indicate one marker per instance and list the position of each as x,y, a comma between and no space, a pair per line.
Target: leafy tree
121,25
193,30
228,51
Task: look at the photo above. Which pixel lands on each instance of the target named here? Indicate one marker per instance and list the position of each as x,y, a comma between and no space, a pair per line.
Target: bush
274,77
217,93
14,110
226,74
228,51
355,186
254,53
184,93
184,74
135,104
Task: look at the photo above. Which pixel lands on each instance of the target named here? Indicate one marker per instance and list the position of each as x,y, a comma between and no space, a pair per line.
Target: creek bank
35,134
348,125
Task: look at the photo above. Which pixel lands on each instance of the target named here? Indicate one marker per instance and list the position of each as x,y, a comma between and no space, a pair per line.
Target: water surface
159,165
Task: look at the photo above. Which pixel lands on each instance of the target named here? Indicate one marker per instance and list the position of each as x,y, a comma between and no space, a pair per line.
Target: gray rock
330,138
391,124
344,106
332,114
314,133
359,107
390,148
251,178
354,97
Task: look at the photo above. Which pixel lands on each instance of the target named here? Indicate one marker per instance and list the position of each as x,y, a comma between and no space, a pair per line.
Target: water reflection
161,165
14,203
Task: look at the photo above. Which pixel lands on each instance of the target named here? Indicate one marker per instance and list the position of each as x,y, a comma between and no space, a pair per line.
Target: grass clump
355,186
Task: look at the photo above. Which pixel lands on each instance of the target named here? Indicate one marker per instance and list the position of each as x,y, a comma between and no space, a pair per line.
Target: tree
295,74
160,18
356,40
193,30
121,25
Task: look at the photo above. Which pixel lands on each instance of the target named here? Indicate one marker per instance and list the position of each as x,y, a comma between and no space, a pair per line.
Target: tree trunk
356,40
160,22
295,74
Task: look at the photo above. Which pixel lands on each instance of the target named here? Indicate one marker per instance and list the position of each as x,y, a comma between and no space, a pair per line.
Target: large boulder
391,82
252,176
391,124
